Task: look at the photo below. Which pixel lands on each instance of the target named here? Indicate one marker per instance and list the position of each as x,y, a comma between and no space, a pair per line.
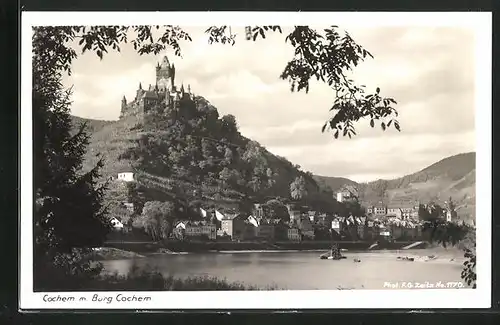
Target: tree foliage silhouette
156,219
69,215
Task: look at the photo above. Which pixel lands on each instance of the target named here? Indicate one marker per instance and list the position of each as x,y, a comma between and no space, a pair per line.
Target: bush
65,272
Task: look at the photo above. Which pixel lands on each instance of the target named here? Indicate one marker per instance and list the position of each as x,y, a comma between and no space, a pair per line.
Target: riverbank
110,253
227,246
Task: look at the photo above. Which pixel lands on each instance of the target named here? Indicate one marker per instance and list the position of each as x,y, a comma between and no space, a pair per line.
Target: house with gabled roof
126,174
233,224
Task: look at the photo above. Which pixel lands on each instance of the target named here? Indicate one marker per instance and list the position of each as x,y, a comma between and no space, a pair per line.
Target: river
305,271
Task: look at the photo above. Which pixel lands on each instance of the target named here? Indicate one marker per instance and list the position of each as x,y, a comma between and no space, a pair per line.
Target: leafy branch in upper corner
99,39
327,58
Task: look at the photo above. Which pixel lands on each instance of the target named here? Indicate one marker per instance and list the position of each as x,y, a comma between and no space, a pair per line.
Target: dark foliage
69,216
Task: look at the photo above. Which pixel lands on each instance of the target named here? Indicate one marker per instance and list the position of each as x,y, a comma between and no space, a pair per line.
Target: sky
429,71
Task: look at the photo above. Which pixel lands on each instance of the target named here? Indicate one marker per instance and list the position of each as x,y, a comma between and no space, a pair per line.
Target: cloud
429,71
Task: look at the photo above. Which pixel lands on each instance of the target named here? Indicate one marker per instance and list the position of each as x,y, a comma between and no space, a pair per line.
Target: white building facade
126,177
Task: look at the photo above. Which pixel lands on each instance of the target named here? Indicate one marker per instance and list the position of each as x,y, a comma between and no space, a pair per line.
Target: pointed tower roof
165,63
189,88
140,85
182,88
124,99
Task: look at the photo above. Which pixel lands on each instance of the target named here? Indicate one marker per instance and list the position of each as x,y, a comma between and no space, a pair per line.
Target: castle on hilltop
163,92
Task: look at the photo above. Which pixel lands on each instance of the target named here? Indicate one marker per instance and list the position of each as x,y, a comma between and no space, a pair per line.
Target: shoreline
112,253
240,251
403,252
182,247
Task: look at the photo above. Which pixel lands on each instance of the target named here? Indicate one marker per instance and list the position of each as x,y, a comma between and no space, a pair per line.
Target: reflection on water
304,270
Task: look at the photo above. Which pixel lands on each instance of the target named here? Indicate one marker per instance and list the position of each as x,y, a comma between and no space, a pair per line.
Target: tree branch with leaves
327,58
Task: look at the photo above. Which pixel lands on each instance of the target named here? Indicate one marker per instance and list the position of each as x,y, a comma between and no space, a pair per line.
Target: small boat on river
327,257
405,258
432,257
333,254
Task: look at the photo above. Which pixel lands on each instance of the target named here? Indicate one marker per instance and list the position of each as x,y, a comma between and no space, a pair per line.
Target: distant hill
453,177
334,183
92,126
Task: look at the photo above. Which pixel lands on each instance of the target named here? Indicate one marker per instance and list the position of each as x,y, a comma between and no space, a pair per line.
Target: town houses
398,222
280,220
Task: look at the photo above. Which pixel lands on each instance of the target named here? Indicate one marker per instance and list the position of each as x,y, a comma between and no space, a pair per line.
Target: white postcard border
290,299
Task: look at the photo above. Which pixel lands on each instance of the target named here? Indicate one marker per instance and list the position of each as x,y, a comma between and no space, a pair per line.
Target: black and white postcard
255,160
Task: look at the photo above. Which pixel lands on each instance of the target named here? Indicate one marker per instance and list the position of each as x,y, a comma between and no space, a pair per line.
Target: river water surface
305,271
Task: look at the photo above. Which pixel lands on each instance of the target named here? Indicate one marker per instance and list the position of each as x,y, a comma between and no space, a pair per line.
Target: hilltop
190,154
453,177
181,151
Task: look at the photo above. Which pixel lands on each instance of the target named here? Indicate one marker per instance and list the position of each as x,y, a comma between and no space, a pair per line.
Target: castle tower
163,74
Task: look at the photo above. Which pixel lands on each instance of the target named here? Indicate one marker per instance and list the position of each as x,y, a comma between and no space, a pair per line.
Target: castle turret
182,90
189,89
124,106
140,91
